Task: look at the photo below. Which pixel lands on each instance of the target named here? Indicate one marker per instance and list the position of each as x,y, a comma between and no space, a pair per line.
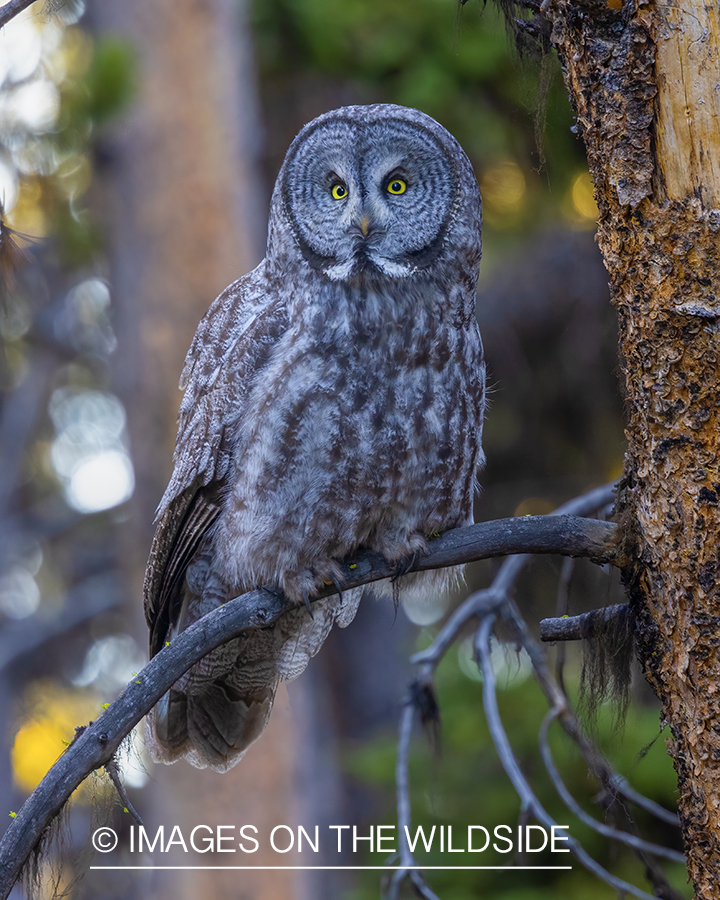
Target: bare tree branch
598,765
402,779
496,601
509,763
507,575
619,785
577,628
258,609
12,9
111,767
623,836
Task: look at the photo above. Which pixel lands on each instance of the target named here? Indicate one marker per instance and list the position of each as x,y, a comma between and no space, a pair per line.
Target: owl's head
377,191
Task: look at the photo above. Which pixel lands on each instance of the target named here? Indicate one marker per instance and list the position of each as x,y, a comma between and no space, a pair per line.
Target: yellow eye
339,191
396,186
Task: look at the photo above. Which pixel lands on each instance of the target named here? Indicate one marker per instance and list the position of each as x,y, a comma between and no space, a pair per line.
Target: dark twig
111,768
497,600
623,836
507,575
564,533
12,9
259,609
577,628
498,596
510,764
618,785
598,765
561,609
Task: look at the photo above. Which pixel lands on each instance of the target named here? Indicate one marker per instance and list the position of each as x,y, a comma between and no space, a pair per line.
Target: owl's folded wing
229,352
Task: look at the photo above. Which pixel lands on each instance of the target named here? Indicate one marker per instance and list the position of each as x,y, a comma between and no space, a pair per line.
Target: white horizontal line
324,868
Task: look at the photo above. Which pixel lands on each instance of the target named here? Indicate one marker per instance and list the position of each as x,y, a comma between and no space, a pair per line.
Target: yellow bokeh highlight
27,215
77,52
583,198
534,506
53,712
504,189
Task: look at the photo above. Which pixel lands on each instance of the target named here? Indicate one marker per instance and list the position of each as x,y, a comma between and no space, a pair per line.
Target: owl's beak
365,225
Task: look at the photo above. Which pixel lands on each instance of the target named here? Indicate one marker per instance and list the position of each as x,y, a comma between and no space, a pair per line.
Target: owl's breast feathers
357,422
354,420
362,430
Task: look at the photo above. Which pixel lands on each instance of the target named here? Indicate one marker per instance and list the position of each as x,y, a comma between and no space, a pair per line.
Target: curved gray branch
567,535
479,602
596,762
402,779
510,764
497,600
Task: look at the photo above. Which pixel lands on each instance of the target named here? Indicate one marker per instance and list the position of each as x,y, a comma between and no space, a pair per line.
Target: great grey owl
334,400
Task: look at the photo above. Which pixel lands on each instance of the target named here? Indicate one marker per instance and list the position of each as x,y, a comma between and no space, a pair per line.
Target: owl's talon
338,587
406,564
307,603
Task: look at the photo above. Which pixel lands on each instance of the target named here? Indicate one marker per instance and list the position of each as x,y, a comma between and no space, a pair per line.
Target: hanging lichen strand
643,81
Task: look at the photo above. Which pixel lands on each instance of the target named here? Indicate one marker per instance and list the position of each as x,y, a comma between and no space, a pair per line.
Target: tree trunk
183,201
643,80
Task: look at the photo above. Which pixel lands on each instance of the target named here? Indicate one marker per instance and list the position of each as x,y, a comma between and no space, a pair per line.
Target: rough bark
643,80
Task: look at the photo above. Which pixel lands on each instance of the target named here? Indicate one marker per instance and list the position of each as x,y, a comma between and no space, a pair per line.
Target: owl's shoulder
238,310
231,347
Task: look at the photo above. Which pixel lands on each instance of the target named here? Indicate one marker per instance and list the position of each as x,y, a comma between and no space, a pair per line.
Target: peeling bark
645,84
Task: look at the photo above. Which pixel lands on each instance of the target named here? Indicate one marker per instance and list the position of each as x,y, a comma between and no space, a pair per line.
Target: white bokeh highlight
89,453
512,666
19,592
110,663
8,186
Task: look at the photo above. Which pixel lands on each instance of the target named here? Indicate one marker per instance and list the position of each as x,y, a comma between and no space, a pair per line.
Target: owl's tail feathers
217,709
211,729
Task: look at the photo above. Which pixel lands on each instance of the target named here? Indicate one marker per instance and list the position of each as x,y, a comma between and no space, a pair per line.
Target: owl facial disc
369,198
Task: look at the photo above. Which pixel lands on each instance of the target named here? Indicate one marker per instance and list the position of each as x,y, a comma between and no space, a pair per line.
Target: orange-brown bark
644,84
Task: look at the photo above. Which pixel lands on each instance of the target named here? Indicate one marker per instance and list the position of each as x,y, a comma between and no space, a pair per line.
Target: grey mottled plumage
334,399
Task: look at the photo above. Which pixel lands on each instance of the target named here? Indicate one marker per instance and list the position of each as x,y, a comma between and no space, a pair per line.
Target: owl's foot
305,584
278,592
336,584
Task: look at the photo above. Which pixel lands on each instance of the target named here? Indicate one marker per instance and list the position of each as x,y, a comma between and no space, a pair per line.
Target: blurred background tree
138,147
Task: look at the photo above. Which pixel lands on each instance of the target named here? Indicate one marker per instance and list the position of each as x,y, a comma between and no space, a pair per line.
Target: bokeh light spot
504,190
19,592
583,198
8,186
48,727
89,453
101,482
